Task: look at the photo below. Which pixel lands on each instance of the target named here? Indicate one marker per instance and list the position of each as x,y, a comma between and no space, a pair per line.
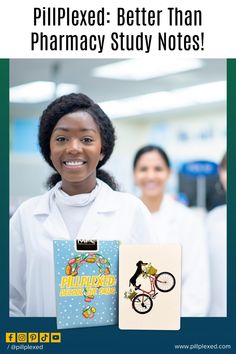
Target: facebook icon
10,337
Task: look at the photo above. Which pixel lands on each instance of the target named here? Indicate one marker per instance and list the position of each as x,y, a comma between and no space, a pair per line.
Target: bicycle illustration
142,300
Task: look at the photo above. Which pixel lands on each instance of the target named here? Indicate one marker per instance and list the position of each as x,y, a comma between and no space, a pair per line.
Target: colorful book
86,283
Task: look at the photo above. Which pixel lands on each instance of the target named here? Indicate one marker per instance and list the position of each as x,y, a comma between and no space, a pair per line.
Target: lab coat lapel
54,223
90,224
55,226
103,204
51,218
168,216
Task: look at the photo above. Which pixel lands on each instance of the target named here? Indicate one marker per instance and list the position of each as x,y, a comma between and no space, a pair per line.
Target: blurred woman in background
173,222
217,241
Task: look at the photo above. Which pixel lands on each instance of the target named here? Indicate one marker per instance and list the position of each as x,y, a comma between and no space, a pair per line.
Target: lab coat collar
54,224
167,202
43,207
105,201
166,209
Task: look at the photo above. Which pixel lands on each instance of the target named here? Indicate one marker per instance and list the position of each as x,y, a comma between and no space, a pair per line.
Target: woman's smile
74,164
151,185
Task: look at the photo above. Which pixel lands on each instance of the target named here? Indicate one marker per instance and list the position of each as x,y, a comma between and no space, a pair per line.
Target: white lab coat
175,223
37,222
217,242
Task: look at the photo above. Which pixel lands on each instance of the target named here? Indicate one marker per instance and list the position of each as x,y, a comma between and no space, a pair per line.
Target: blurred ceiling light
164,101
39,91
210,92
143,69
32,92
66,89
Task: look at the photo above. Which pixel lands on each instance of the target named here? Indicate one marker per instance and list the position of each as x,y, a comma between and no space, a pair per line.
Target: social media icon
10,337
44,337
33,337
21,337
55,337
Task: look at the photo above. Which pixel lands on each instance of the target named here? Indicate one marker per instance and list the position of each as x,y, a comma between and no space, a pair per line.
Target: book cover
149,286
86,283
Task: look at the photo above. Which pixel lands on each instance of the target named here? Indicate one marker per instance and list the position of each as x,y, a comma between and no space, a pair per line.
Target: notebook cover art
86,283
149,286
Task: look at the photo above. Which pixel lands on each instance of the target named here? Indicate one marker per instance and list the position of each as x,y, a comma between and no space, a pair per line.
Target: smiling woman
76,139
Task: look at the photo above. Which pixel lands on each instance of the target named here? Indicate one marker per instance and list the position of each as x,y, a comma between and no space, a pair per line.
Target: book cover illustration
149,287
142,298
86,283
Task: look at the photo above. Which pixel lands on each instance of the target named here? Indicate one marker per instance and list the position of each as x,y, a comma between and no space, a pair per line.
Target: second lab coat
37,222
217,242
175,223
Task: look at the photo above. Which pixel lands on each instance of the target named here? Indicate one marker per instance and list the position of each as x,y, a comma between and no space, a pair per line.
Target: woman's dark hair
69,104
149,148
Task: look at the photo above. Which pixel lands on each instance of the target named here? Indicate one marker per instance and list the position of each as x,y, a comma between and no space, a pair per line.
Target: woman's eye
60,139
87,140
143,169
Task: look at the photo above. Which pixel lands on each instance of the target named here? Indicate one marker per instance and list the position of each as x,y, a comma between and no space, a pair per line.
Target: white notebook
149,287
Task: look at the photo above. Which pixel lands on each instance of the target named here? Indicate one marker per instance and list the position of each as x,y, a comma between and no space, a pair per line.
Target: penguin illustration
137,274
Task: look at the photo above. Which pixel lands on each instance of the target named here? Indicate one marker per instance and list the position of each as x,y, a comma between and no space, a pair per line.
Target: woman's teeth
151,185
74,163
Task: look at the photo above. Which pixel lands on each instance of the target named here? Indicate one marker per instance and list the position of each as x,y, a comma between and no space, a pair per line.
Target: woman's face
151,174
76,149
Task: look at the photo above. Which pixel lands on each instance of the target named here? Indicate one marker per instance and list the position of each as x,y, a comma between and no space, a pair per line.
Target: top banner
117,29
